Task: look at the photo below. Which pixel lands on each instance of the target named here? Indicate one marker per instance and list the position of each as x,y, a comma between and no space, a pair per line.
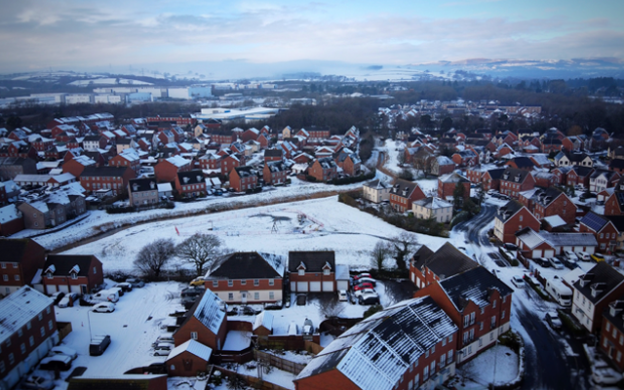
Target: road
547,365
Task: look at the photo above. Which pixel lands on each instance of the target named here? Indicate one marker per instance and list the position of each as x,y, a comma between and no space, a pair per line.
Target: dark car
99,344
56,362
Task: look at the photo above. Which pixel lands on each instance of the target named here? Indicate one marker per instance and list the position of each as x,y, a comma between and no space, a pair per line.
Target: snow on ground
276,376
392,149
133,327
237,340
185,383
325,224
301,357
498,364
99,221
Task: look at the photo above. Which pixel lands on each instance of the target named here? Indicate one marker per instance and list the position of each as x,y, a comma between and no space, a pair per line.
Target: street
547,363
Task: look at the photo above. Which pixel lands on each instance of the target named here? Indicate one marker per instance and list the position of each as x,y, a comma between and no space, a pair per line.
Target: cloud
75,34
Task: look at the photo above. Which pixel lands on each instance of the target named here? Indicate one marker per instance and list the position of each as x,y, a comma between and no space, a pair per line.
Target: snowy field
319,224
498,365
98,221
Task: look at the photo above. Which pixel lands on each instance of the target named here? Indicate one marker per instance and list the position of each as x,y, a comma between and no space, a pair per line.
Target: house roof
613,313
453,178
273,152
375,353
264,319
20,307
245,171
530,237
516,175
555,221
496,174
448,261
508,210
208,311
598,282
523,162
104,171
248,265
140,185
63,264
473,285
194,347
191,177
14,250
377,184
569,239
9,213
314,261
276,166
421,256
401,186
594,221
433,203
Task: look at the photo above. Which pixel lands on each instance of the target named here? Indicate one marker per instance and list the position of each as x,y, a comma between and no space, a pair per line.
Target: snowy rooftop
209,312
178,161
195,347
264,319
555,221
9,213
19,308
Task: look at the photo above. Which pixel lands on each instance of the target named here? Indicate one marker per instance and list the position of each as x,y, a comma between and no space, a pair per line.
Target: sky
83,34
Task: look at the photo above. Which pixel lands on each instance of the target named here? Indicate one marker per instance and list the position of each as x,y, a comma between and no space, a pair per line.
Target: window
450,338
271,295
230,296
243,282
521,218
257,296
481,325
444,341
48,310
417,379
601,235
301,272
433,349
8,342
472,318
425,373
31,341
503,315
40,316
443,360
433,367
256,282
5,278
50,324
94,270
494,304
194,335
230,283
427,354
3,265
619,356
11,358
326,271
23,349
614,333
20,333
271,282
466,320
604,342
493,322
2,367
621,339
449,356
28,325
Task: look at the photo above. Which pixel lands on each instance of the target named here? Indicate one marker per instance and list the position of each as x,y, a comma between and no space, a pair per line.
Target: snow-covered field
319,224
498,365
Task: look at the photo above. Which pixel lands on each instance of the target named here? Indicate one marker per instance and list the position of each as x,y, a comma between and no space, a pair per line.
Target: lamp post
89,322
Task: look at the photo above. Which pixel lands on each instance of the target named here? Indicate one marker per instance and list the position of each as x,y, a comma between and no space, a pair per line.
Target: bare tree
402,246
379,254
152,257
201,250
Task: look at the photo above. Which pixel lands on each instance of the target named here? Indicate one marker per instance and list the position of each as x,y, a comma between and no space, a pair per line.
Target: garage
343,284
549,253
76,289
315,286
537,253
63,288
328,286
302,286
50,289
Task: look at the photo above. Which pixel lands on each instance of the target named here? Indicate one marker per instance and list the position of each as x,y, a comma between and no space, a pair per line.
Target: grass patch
511,340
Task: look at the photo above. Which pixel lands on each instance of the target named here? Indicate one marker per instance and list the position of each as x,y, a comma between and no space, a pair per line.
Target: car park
597,257
63,350
518,281
104,307
556,264
552,318
126,287
583,256
135,282
56,362
99,344
362,286
71,297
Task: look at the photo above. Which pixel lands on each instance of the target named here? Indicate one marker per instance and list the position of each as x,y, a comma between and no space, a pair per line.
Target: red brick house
512,218
230,162
77,165
414,348
247,277
403,193
222,139
188,358
72,273
190,184
167,170
264,140
273,154
614,203
532,245
426,266
480,306
448,183
491,179
206,323
612,334
323,169
11,219
579,175
210,161
521,163
545,202
605,231
112,178
127,158
250,134
29,332
466,158
515,181
349,162
313,271
243,178
274,173
20,259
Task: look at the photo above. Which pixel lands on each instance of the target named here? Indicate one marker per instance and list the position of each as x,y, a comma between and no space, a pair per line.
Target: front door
244,296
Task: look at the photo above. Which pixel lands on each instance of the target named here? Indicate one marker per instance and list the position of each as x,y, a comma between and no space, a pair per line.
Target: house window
11,358
230,296
257,296
326,271
450,338
619,356
443,360
521,218
449,356
50,324
5,278
2,367
74,276
271,295
42,332
194,335
301,272
271,282
493,322
433,367
48,310
3,265
20,333
621,339
215,283
28,325
503,315
494,304
40,316
256,282
243,282
472,318
23,348
466,320
230,283
94,270
31,341
425,373
444,342
17,277
417,379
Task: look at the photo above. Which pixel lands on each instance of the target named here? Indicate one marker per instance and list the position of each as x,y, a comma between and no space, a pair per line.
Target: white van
106,296
559,291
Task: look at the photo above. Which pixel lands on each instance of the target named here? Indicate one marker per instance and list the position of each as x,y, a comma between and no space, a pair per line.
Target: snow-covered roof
530,238
9,213
555,221
209,313
433,203
264,319
41,206
375,353
342,272
164,187
19,308
195,347
178,161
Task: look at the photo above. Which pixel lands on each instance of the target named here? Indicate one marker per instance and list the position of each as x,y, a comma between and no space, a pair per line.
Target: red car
362,286
363,275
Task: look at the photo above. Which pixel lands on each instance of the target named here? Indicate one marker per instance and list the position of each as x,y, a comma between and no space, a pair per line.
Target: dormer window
301,272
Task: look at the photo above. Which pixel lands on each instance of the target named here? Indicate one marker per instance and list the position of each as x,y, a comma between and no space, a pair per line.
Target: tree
402,246
458,196
152,257
379,254
201,250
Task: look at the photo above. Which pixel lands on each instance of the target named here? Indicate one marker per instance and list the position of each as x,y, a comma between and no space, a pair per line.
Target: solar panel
593,221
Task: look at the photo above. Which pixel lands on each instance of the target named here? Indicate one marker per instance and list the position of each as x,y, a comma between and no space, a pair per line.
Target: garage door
549,253
315,286
328,286
343,285
537,253
75,289
302,286
51,289
64,289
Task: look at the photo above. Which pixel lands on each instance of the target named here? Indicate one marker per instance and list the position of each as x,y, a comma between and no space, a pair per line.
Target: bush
372,310
353,179
573,327
406,174
460,217
511,340
310,178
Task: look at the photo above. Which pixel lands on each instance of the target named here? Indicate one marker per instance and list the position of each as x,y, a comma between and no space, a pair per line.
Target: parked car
56,362
106,296
74,297
63,350
556,264
104,307
118,290
597,257
57,296
198,281
365,280
568,262
542,262
308,327
358,293
99,344
570,255
518,281
125,286
135,282
583,256
163,349
368,298
163,339
362,286
553,320
342,295
362,275
36,382
510,246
